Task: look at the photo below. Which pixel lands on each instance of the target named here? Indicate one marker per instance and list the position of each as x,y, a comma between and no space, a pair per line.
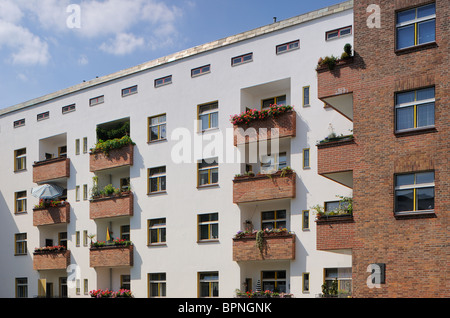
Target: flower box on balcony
51,169
101,159
111,206
261,187
55,214
111,255
50,258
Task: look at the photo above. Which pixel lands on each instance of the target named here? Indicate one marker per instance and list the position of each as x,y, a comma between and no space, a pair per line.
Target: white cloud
124,43
83,60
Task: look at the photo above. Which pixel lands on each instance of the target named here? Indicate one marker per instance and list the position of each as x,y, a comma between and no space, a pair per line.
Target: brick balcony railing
264,187
51,169
261,129
274,247
111,256
52,215
107,207
51,260
337,156
115,158
335,232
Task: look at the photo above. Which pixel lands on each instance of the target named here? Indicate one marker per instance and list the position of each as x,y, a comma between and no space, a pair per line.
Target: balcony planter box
51,169
99,160
59,214
258,130
275,246
112,206
111,256
51,259
264,187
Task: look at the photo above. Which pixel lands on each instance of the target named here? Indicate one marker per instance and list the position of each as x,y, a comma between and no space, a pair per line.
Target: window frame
160,226
276,218
288,47
210,169
275,101
414,188
19,123
160,280
22,200
157,174
68,109
22,158
210,223
305,220
96,100
21,284
307,158
129,91
304,95
43,116
271,168
162,81
159,124
276,280
242,59
213,109
212,283
202,70
20,244
339,31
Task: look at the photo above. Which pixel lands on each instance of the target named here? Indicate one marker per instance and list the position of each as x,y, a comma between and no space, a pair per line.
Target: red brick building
395,89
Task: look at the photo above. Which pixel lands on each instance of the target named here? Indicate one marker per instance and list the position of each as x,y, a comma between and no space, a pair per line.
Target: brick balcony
261,129
52,215
113,206
264,187
111,256
335,233
51,169
51,260
116,158
276,247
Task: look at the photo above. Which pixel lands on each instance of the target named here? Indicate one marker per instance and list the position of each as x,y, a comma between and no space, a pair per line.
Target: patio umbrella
47,191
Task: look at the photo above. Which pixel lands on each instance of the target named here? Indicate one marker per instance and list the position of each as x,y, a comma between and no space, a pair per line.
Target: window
273,219
157,179
286,47
125,282
414,192
208,172
43,116
305,158
274,281
125,232
334,34
279,100
305,220
129,91
22,287
208,115
343,277
416,26
163,81
208,226
157,284
86,287
331,206
77,146
201,70
156,231
19,123
20,241
20,162
242,59
414,109
273,163
85,238
68,109
62,151
21,201
85,191
77,287
305,96
157,127
77,193
125,184
62,239
97,100
208,284
85,145
305,287
77,238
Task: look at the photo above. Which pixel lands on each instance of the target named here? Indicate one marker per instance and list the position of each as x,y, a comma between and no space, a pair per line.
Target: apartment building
395,90
150,212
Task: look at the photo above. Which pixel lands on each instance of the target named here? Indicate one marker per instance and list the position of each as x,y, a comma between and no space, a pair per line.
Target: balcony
279,126
337,160
261,187
59,214
264,245
114,158
335,232
111,206
51,169
51,259
111,256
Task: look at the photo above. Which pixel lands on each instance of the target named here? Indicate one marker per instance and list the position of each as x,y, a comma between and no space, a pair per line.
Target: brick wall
51,169
111,206
264,187
111,256
335,233
53,260
52,215
275,248
337,156
115,158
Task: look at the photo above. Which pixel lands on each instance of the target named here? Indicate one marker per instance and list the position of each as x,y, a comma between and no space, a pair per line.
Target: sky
48,45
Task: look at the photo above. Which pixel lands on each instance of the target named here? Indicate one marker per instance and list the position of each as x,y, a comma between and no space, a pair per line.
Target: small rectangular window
337,33
68,109
20,159
157,179
305,96
77,238
208,172
20,241
97,100
208,226
77,146
21,202
85,238
305,221
201,70
85,192
86,287
129,91
286,47
416,26
414,192
85,145
208,115
156,231
125,232
208,284
157,127
273,220
77,193
306,158
163,81
43,116
305,287
157,284
274,281
242,59
22,287
19,123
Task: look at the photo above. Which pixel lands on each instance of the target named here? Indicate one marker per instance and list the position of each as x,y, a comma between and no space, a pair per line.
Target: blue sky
48,45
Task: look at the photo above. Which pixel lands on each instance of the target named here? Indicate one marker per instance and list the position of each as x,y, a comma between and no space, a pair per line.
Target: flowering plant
48,203
44,249
115,242
100,293
262,232
262,294
253,114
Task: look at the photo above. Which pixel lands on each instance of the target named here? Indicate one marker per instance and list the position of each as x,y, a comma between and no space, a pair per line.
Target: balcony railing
335,232
111,256
279,185
119,157
51,258
51,169
59,214
112,206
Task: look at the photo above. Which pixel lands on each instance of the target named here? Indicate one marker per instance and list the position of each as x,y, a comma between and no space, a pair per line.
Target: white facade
182,257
